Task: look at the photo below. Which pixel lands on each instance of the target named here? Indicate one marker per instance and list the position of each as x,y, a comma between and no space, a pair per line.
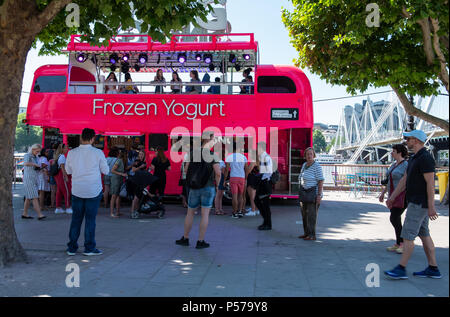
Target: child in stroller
148,203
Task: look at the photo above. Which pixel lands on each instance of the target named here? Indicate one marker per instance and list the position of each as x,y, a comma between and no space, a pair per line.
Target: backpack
54,168
198,174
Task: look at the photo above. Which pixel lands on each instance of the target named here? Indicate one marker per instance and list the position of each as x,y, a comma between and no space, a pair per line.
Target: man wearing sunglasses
419,183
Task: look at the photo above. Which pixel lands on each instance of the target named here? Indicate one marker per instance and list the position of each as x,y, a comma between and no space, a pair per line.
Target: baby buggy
148,203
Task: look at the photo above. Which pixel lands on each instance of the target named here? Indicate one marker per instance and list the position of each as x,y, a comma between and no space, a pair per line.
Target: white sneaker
69,211
257,212
251,213
248,209
59,211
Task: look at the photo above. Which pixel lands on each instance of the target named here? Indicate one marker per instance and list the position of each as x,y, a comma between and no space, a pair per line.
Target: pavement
141,258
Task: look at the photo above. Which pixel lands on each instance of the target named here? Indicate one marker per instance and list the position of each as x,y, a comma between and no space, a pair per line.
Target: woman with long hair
394,174
252,184
139,164
110,89
176,89
159,78
159,166
43,180
110,160
194,79
30,181
63,181
117,179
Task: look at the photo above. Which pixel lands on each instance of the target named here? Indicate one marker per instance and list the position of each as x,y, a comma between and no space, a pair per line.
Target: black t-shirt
160,167
416,187
138,164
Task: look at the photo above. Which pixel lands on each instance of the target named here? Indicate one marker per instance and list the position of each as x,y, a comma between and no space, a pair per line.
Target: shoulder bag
306,195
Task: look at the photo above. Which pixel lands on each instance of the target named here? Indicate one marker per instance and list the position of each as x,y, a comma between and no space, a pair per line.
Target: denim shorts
52,180
416,222
203,197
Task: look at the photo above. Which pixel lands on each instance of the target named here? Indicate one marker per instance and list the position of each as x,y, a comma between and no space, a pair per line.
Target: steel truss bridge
367,130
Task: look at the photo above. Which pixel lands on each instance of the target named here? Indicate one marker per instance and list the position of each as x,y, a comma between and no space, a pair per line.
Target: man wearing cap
419,183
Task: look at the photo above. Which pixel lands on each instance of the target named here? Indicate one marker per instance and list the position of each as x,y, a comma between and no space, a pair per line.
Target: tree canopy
319,143
24,138
408,51
100,20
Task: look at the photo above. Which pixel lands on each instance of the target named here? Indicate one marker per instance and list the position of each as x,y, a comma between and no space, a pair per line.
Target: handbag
307,195
399,201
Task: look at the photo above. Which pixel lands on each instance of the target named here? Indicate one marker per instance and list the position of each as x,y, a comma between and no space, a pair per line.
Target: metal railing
359,179
100,87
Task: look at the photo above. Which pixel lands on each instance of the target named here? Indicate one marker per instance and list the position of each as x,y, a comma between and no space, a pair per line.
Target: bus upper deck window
50,84
276,85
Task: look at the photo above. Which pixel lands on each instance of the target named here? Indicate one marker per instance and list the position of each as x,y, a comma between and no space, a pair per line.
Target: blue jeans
83,208
203,197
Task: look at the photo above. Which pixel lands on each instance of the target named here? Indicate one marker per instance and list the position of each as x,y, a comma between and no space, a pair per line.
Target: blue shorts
221,183
203,197
52,180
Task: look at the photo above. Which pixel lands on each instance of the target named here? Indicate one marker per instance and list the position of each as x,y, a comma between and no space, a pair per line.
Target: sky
263,18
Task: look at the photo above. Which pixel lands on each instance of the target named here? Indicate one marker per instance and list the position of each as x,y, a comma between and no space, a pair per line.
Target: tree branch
46,16
443,74
413,111
426,34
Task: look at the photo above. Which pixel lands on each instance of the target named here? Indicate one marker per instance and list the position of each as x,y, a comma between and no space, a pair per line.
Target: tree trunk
12,66
15,42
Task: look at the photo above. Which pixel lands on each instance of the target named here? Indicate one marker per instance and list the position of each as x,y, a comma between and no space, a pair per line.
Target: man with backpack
203,177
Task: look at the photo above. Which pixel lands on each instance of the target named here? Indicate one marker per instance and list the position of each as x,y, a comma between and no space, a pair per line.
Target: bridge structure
366,131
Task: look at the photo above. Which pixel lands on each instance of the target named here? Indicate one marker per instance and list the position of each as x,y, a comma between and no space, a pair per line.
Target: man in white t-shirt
86,164
236,165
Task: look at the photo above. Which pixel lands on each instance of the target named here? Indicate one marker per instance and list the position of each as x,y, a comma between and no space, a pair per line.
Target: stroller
148,203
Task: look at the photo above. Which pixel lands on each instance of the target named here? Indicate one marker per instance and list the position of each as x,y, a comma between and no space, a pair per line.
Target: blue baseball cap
418,134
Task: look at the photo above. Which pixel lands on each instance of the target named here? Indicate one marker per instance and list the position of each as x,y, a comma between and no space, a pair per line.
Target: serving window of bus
126,142
74,140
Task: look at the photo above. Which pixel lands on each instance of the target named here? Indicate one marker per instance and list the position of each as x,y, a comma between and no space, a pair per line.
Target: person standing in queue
110,160
264,187
394,174
311,176
86,164
419,184
160,164
117,180
202,178
31,182
133,190
63,181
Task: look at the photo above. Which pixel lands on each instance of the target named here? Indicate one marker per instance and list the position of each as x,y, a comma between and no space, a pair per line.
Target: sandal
43,217
26,217
114,216
219,212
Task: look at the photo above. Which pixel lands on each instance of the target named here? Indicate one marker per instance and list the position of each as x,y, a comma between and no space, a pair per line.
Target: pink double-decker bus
274,104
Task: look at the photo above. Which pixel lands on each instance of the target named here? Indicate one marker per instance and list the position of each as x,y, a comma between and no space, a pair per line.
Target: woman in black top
138,165
159,166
